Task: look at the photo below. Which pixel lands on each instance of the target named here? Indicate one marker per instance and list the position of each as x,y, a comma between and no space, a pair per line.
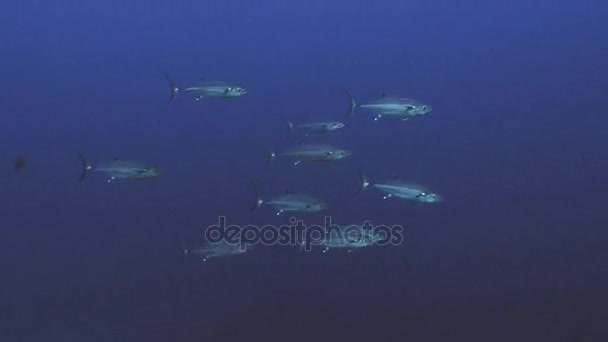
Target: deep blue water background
516,143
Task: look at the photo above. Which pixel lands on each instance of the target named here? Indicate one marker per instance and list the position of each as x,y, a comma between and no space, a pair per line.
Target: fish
118,169
320,127
349,237
208,88
401,189
403,108
289,201
213,250
310,153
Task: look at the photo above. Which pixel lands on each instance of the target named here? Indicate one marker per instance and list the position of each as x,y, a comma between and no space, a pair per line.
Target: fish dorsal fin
382,94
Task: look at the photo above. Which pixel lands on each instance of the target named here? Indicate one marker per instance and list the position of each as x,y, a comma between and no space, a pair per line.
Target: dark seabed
516,143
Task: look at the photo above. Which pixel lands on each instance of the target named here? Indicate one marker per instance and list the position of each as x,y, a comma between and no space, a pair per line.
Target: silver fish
310,153
289,202
401,189
118,169
403,108
214,250
349,237
208,88
320,127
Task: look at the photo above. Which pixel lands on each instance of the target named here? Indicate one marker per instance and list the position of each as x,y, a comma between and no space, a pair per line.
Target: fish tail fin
364,182
270,157
86,166
182,246
185,251
290,126
174,88
258,198
353,105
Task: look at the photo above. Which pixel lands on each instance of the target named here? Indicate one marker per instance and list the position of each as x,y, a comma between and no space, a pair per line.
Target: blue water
515,142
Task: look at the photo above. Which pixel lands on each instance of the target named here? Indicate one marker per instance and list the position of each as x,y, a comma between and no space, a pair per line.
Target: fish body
401,189
215,250
349,237
403,108
208,89
119,169
290,202
311,153
296,202
321,127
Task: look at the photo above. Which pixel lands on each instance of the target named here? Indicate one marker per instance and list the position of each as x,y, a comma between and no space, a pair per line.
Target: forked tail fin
351,109
290,125
353,106
258,198
364,182
270,157
86,167
174,88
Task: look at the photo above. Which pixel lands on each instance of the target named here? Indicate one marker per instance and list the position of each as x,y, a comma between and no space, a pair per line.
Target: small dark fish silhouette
19,164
